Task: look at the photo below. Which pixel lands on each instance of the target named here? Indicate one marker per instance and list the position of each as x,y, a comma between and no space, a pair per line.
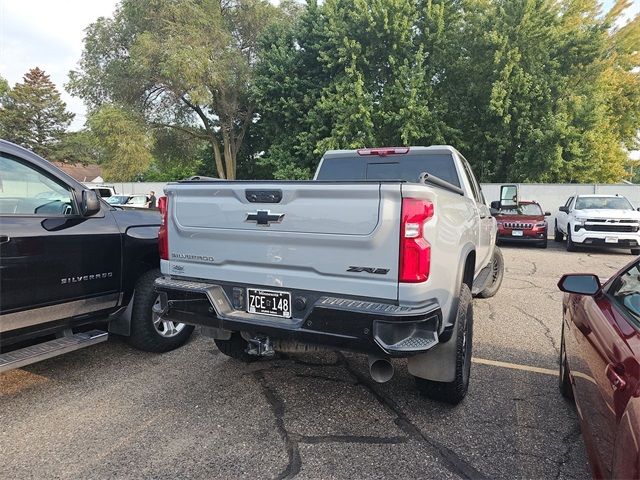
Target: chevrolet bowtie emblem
264,217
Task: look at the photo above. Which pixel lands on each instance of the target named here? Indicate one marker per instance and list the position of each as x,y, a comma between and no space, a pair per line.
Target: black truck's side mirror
90,203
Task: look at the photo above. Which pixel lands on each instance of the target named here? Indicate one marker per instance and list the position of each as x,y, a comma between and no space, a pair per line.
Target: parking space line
515,366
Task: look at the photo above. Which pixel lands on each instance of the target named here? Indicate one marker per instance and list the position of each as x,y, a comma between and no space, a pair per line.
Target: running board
481,280
53,348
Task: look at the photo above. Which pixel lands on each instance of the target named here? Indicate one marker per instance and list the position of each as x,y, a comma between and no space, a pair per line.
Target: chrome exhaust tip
380,369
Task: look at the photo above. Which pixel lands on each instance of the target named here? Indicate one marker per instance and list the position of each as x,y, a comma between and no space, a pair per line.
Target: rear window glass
407,168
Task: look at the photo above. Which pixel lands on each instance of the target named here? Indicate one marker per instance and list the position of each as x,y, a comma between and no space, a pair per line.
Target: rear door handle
5,238
616,380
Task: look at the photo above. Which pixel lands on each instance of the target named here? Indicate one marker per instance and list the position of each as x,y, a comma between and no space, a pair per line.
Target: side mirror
564,209
547,214
90,203
494,212
495,205
580,283
638,209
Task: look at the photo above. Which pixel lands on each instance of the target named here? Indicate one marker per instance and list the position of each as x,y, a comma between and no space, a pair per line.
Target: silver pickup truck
380,254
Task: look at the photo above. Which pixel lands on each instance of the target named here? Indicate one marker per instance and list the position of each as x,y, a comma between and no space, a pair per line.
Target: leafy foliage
122,143
33,114
183,64
528,90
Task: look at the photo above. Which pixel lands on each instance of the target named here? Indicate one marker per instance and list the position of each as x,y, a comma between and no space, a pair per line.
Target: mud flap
438,364
120,321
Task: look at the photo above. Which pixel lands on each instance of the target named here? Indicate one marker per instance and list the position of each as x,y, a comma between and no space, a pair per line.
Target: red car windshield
522,209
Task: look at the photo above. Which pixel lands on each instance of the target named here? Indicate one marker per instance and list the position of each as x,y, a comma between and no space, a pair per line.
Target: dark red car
600,367
524,222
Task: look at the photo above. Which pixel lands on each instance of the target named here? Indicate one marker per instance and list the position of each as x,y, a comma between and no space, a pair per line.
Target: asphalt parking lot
113,412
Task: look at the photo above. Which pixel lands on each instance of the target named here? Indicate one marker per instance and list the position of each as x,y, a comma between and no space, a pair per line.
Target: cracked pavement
111,411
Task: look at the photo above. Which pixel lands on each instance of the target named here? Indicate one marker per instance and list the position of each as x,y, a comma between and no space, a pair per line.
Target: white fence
549,195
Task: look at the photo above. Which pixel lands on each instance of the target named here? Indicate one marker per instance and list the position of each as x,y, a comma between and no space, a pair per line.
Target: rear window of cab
406,168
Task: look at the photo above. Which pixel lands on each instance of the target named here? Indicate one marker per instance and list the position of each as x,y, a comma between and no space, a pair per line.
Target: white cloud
47,34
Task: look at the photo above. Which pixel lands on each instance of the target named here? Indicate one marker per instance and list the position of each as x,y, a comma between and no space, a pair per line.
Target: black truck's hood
127,218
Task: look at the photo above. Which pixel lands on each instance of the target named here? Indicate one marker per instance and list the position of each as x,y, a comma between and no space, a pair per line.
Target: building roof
82,173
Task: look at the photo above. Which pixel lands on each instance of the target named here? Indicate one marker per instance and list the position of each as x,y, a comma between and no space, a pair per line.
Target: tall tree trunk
218,157
229,157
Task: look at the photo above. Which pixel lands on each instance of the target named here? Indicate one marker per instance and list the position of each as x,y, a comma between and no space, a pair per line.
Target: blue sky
49,33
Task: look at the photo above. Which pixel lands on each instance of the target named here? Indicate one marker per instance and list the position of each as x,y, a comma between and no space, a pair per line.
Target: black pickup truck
72,267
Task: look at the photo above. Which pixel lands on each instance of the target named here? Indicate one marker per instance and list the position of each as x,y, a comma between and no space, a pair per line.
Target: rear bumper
361,325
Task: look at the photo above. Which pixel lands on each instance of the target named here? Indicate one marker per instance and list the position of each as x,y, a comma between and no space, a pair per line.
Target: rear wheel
571,247
564,381
495,277
557,234
236,347
635,251
149,331
453,392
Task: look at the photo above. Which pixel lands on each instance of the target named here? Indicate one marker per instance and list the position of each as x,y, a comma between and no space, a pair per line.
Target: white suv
598,220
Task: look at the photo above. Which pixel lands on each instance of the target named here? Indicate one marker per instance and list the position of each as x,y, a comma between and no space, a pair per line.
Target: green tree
184,64
348,73
528,90
33,114
123,146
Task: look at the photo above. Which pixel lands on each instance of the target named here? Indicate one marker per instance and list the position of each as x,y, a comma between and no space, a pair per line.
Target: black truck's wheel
564,381
495,277
148,331
453,392
557,234
235,347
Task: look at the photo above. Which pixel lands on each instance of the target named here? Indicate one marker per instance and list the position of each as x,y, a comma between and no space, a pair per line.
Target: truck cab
598,220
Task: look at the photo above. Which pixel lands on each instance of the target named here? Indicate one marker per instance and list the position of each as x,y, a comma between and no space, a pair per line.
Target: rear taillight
415,251
163,236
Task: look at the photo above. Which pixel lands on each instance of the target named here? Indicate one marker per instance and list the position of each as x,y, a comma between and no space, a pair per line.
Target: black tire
236,348
455,391
144,334
558,236
571,247
496,275
564,380
543,244
635,251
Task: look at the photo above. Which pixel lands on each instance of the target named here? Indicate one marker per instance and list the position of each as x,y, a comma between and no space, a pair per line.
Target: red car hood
520,218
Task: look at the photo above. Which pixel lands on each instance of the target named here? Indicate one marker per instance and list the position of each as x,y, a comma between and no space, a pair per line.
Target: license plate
269,302
610,239
516,233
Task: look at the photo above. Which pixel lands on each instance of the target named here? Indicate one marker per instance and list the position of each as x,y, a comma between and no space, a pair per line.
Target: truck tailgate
303,235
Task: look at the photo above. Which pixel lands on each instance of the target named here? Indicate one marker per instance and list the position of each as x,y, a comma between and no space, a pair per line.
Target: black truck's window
26,191
394,167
